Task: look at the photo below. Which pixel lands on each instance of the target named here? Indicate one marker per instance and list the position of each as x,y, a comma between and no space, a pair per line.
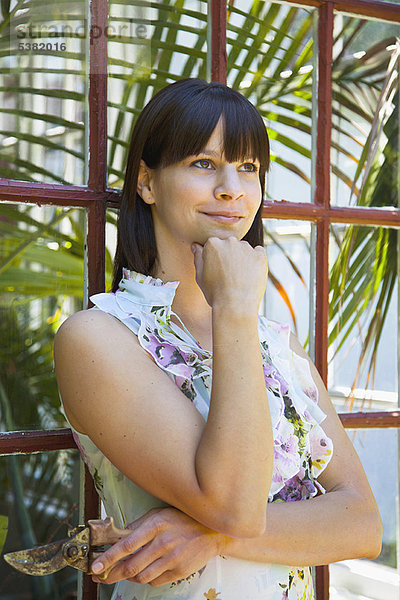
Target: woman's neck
189,301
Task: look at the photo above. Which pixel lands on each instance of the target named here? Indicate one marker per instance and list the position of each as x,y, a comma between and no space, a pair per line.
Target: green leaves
36,257
3,531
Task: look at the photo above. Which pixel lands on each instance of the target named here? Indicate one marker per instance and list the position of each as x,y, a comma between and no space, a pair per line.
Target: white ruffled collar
156,298
147,290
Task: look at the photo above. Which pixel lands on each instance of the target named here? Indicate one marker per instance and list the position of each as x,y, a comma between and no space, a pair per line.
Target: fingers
156,570
152,562
197,250
151,572
138,538
196,247
168,576
164,546
144,566
144,518
145,527
230,271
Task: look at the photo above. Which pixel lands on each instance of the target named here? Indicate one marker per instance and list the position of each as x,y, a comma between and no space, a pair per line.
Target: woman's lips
223,218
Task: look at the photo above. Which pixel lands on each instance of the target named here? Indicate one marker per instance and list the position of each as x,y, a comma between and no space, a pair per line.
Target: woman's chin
223,233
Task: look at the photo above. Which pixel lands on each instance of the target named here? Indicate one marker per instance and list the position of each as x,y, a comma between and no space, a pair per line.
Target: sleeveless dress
301,449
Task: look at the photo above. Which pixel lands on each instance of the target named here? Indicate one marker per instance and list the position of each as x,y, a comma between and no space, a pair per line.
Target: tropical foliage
43,138
3,531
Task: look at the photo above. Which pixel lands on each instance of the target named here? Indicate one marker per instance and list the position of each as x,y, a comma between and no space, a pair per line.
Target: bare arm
344,523
216,472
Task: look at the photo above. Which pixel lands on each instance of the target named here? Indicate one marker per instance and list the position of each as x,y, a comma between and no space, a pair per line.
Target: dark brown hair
177,123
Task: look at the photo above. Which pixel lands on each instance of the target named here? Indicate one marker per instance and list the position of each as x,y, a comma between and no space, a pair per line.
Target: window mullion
98,95
322,199
96,218
218,40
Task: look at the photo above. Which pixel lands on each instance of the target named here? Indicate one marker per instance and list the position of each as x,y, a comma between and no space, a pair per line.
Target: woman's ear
144,183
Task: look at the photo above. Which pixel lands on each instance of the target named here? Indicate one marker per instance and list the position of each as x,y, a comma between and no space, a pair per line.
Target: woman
188,462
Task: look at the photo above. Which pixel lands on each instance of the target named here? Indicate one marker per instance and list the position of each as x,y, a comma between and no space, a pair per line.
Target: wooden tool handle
104,532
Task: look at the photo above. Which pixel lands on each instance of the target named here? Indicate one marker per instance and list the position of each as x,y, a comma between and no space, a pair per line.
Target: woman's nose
229,185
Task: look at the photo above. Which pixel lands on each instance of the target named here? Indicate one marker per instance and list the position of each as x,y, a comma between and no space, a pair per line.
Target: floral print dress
301,449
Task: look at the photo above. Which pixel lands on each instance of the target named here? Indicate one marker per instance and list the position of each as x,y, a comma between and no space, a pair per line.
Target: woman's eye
249,167
203,163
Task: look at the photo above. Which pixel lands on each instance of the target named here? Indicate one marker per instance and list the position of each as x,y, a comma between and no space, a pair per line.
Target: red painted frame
96,197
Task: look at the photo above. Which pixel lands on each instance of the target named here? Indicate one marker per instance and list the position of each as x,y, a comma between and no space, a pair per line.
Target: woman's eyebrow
216,154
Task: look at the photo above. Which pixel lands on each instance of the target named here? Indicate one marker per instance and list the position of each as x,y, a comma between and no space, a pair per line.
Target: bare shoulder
87,322
95,340
90,347
89,331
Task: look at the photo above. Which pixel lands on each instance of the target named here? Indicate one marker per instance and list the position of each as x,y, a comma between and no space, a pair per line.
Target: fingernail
97,567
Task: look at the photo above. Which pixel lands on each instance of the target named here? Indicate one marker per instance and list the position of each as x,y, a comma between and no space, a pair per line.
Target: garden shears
83,545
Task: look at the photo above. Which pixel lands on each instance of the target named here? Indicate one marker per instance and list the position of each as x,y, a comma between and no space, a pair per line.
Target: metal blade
42,560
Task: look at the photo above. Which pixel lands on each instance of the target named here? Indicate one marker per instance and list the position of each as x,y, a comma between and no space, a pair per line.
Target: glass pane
39,495
161,43
270,60
363,317
43,93
111,244
365,113
364,579
287,295
41,283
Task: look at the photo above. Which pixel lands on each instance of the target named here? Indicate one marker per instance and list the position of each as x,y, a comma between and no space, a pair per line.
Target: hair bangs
192,121
245,135
190,131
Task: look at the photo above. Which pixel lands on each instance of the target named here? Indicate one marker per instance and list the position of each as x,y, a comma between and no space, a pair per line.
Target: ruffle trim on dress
173,349
301,448
159,294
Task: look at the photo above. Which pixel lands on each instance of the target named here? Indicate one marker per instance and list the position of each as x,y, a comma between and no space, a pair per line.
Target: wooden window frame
96,198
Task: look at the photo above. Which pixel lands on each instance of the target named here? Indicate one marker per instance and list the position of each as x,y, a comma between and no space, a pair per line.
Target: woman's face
203,196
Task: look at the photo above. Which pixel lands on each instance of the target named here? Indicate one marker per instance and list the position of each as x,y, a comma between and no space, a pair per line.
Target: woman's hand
168,546
231,271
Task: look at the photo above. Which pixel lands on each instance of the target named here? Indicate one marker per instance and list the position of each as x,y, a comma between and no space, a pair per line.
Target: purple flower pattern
182,362
171,349
299,450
